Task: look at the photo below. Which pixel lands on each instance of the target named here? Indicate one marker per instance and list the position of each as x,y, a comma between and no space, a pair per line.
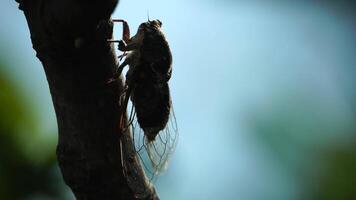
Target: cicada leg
124,100
122,55
126,29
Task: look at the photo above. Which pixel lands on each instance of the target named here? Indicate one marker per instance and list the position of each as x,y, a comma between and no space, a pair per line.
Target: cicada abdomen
152,104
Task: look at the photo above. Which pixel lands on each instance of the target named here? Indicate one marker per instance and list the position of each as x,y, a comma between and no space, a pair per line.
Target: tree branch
69,37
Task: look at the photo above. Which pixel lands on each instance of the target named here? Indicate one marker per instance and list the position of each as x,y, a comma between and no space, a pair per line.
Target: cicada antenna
148,15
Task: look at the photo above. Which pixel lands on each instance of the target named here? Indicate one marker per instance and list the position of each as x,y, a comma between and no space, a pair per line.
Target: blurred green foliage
24,174
338,179
312,142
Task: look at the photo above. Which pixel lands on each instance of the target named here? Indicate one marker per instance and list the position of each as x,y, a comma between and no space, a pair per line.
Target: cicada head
150,26
156,23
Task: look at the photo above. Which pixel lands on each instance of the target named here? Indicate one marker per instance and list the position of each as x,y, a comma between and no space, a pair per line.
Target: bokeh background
264,94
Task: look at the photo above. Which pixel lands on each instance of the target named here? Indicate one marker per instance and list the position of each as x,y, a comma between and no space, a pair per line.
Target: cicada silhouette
151,116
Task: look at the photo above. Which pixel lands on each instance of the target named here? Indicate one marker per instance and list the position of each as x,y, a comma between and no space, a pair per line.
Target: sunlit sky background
258,89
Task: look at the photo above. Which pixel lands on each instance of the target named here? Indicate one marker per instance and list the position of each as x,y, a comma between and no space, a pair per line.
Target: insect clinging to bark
152,119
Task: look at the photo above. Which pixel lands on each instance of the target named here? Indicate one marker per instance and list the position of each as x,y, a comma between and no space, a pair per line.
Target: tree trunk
96,158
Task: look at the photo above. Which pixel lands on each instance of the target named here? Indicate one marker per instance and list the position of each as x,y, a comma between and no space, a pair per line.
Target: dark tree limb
69,37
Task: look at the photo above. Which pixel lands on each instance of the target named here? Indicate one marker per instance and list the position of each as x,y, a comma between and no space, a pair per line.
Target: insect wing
155,155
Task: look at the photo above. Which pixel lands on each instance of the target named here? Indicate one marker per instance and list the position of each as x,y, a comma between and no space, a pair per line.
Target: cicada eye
156,23
159,23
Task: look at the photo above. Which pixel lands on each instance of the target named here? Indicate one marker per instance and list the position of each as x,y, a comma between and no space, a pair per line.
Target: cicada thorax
156,57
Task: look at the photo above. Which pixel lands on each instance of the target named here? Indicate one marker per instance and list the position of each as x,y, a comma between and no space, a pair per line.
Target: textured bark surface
69,37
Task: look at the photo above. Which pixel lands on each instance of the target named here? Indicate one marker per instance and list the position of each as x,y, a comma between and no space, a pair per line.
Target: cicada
146,98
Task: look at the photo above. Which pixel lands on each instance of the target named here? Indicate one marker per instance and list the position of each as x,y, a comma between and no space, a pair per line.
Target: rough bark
69,37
